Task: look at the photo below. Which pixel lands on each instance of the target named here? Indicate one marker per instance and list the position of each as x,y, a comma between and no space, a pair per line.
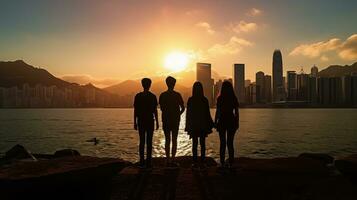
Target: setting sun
176,61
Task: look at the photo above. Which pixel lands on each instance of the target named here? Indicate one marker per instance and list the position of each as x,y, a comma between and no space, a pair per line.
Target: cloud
254,12
349,48
244,26
346,50
324,58
233,46
316,49
83,79
206,26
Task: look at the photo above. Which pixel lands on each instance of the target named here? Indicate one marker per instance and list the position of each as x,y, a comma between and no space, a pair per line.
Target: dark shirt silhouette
227,119
198,117
170,104
145,105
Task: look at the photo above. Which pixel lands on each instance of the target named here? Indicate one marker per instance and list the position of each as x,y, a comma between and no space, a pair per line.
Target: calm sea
263,133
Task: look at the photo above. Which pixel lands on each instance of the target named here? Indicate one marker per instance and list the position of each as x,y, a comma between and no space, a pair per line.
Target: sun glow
176,61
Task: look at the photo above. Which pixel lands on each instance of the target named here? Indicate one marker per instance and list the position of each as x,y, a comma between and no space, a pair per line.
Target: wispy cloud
346,50
233,46
206,26
243,26
254,12
349,48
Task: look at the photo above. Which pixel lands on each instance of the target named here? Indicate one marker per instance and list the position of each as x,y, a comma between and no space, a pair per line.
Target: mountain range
338,70
17,73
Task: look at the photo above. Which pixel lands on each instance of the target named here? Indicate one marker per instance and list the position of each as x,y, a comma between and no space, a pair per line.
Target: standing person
199,122
172,106
145,112
227,121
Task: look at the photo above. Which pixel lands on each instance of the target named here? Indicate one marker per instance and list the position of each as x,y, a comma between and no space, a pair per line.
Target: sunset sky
118,40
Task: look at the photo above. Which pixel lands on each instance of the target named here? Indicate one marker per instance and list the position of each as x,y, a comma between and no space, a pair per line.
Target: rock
18,152
348,166
66,152
325,158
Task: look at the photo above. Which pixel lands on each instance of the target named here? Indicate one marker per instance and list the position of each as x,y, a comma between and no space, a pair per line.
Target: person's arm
182,105
218,113
188,116
155,115
135,114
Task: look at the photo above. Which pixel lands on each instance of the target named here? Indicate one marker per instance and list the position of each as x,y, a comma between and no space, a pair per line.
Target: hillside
338,70
16,73
131,87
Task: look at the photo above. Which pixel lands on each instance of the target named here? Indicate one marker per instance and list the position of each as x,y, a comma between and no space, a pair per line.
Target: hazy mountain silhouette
131,87
338,70
16,73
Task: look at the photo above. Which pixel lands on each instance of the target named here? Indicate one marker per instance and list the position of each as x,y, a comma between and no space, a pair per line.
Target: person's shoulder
138,95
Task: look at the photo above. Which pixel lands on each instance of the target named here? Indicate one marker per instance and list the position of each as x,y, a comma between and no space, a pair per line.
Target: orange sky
105,42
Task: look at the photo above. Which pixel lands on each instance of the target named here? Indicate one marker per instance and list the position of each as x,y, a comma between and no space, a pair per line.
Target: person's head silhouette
170,82
227,90
146,83
197,89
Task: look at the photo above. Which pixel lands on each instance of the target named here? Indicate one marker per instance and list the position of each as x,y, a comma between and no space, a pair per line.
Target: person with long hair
227,121
199,122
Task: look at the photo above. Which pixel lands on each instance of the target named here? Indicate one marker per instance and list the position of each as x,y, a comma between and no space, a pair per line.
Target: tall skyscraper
278,84
267,85
203,75
260,82
291,86
238,81
314,71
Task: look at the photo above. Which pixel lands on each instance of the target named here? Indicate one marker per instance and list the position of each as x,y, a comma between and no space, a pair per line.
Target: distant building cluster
40,96
296,89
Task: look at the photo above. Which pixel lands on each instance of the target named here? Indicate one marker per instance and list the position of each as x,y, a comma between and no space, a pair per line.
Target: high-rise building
260,82
312,90
302,87
278,84
267,88
291,85
323,90
336,97
314,71
238,81
247,83
203,75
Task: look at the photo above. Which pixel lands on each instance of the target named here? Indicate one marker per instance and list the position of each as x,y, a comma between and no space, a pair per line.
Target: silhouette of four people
199,123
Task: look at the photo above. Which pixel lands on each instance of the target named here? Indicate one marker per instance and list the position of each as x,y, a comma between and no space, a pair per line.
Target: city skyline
94,41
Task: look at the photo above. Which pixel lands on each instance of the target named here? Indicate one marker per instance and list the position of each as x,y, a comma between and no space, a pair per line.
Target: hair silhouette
197,90
170,82
227,91
146,83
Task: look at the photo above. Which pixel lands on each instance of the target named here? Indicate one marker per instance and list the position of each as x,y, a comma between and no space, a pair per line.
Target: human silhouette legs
203,147
149,147
167,143
194,148
222,148
230,140
141,146
174,143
